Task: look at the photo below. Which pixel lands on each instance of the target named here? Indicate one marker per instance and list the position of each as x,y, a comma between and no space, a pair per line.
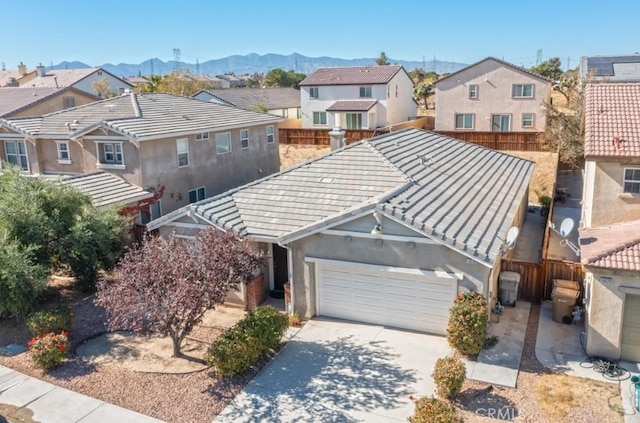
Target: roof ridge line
136,105
611,251
386,159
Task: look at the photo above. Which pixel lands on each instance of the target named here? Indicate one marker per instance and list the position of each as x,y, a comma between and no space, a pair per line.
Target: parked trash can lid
510,276
563,283
564,293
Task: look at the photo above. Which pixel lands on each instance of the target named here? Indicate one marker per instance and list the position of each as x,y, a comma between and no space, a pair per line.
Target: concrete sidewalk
25,399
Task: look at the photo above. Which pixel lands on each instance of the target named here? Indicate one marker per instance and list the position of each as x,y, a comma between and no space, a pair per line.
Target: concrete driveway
339,371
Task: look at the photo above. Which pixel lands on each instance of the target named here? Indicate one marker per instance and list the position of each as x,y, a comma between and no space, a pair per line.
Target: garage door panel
630,345
406,300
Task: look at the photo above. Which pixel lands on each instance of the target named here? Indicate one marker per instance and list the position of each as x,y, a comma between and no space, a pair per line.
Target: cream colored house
492,96
610,224
187,149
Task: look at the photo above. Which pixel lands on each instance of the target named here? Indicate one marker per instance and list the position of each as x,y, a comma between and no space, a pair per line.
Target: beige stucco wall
53,104
606,203
495,82
605,309
370,251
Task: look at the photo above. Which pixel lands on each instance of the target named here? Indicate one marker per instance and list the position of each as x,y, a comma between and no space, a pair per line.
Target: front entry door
280,268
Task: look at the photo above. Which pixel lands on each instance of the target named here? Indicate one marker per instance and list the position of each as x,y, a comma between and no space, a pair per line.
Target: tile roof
615,246
354,75
352,106
616,68
5,75
612,111
104,188
461,194
13,100
63,77
246,98
510,65
140,117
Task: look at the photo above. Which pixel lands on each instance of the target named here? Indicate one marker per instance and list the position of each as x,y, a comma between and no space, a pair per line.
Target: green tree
422,92
177,83
101,87
549,68
564,131
382,60
279,78
259,107
151,86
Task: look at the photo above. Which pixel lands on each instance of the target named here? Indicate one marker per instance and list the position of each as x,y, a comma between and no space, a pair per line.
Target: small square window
270,134
223,143
244,138
464,121
522,91
314,92
527,120
473,91
202,136
365,92
319,118
183,152
197,194
632,180
68,102
111,154
63,151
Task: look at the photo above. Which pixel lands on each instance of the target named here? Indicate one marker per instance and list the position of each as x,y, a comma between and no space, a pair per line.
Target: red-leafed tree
165,286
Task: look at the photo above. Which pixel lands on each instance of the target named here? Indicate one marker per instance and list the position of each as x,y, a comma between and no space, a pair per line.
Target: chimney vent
22,69
40,70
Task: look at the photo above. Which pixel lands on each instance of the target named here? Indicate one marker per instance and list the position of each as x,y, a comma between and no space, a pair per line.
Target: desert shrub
241,346
449,374
468,319
21,279
55,320
433,410
265,325
294,319
48,351
233,353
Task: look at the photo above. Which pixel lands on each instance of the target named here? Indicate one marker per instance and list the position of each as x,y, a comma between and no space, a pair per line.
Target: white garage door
408,299
630,345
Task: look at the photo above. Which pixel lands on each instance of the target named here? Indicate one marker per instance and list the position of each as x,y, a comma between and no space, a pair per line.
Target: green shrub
233,353
242,345
468,319
48,351
54,320
265,325
22,280
449,374
433,410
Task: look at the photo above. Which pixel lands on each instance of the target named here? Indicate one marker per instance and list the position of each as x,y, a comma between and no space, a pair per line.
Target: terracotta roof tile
612,120
615,246
352,106
354,75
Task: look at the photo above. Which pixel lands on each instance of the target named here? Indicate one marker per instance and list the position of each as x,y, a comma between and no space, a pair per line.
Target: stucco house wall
400,104
495,81
605,309
604,199
116,85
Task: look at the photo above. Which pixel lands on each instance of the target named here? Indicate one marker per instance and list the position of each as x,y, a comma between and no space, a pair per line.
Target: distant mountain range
255,63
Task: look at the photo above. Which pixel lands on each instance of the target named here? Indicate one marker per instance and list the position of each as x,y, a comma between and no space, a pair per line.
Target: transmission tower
539,56
176,58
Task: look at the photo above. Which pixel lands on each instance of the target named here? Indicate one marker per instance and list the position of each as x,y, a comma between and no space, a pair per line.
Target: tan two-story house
492,96
186,148
610,223
38,101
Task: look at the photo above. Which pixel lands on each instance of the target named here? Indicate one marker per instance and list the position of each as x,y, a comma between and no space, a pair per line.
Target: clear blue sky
114,31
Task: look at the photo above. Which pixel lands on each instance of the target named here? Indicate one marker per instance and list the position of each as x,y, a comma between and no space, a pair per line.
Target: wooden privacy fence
516,141
536,279
310,136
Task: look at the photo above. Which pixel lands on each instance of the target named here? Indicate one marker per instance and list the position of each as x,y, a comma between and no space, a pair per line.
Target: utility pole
197,67
539,56
568,62
176,58
151,67
435,67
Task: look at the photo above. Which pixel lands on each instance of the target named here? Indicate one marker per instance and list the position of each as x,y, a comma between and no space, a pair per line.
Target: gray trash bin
509,282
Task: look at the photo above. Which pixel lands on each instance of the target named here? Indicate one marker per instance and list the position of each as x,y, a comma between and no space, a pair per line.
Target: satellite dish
512,236
566,227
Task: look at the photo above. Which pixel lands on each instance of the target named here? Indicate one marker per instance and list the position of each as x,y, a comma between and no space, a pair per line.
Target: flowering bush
55,320
48,351
449,374
433,410
468,319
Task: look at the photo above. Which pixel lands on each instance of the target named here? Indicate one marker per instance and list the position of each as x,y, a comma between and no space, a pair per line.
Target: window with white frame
527,120
110,153
271,137
319,118
223,143
314,92
473,91
522,91
354,120
365,92
500,123
197,194
464,121
202,136
631,183
16,154
244,138
182,146
153,212
63,152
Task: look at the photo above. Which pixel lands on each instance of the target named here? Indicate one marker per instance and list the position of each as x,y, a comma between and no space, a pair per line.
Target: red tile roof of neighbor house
612,120
352,106
615,246
353,75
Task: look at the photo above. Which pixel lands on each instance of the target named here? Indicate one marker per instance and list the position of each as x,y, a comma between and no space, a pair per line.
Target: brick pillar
255,292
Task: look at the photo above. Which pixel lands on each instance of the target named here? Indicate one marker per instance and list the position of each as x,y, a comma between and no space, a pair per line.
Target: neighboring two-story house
610,227
81,79
616,68
492,96
359,97
23,102
283,102
190,149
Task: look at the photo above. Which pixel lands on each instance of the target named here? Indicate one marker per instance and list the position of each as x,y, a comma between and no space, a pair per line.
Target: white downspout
290,271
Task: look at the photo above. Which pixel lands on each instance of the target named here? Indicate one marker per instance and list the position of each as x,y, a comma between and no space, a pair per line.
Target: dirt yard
291,155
